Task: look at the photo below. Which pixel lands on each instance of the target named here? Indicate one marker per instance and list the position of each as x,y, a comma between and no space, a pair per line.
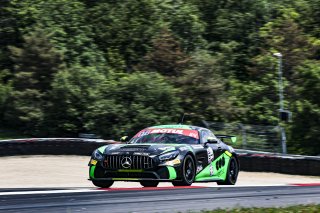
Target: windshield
166,136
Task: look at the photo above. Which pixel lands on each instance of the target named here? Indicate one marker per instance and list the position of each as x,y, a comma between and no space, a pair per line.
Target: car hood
142,149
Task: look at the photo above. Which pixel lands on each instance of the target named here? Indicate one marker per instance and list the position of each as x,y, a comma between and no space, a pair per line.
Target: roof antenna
182,118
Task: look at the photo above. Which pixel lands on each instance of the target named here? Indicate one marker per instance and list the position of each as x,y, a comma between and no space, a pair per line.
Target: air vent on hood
134,148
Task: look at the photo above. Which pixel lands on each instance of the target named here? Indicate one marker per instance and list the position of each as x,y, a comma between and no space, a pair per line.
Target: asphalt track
161,199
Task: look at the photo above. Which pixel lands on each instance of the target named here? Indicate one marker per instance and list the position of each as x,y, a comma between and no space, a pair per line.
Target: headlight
169,156
97,155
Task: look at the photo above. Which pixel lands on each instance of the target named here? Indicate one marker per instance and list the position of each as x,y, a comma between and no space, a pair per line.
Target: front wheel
102,184
232,173
188,172
100,173
149,183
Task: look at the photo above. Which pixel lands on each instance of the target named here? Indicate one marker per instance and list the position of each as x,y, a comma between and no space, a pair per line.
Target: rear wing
231,137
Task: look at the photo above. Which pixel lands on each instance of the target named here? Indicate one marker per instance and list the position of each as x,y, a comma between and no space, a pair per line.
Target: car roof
178,126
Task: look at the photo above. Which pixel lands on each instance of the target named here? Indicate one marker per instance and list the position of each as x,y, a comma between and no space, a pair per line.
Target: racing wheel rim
189,170
233,171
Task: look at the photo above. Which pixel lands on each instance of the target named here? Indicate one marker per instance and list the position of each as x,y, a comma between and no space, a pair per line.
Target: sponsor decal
173,131
93,162
211,170
142,133
199,168
183,148
115,153
228,153
133,179
197,146
141,153
186,132
210,154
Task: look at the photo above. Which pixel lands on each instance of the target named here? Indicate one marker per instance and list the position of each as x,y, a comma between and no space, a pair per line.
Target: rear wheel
232,173
188,172
149,183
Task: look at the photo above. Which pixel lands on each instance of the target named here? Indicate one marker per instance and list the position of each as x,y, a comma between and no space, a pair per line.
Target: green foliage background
113,67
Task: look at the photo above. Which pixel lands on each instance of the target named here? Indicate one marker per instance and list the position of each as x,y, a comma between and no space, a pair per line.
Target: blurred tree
35,64
165,57
124,26
74,90
70,32
258,96
128,26
213,59
305,128
131,103
65,21
232,28
202,89
5,90
283,35
182,18
9,33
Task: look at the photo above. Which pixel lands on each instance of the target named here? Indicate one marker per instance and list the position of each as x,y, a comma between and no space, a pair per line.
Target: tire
102,184
99,173
149,183
188,172
232,174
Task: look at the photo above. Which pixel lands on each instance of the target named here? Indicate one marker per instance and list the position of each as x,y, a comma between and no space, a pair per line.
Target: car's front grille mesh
136,162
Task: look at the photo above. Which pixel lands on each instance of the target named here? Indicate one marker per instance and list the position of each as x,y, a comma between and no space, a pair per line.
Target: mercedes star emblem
126,162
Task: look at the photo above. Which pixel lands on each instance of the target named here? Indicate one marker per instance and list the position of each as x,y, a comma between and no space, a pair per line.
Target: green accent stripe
204,179
101,149
92,168
219,173
125,178
130,170
172,173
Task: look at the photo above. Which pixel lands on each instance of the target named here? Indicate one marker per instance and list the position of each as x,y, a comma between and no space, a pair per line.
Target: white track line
48,192
112,189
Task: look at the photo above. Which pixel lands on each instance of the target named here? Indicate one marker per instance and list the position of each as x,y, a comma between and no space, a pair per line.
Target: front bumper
162,173
132,179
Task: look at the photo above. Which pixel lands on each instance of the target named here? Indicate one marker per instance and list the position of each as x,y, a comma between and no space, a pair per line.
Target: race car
181,154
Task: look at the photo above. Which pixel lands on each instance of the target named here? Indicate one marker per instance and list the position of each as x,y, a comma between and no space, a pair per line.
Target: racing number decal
210,154
210,159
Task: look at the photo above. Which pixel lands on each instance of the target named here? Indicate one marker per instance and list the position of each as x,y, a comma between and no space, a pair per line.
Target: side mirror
124,139
233,139
211,140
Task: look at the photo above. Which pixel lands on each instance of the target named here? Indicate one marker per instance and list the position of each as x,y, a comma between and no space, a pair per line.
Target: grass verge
291,209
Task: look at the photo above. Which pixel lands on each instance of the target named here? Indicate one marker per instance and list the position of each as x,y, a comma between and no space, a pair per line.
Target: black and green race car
180,154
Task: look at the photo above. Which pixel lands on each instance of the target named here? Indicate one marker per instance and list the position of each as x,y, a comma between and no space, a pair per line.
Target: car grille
136,162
